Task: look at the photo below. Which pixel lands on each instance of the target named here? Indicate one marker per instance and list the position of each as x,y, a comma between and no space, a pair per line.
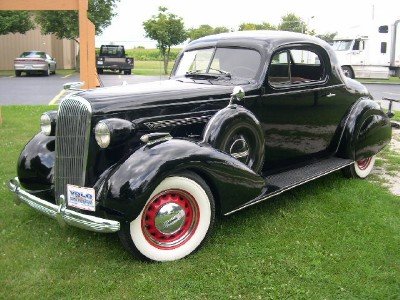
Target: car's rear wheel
48,71
175,221
127,72
99,71
18,73
360,169
348,72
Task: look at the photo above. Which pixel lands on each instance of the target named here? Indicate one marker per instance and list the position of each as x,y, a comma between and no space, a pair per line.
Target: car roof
258,37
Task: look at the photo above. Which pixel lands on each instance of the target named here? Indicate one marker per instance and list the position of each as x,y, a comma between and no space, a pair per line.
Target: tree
65,24
15,22
220,29
254,26
204,30
291,22
327,37
168,30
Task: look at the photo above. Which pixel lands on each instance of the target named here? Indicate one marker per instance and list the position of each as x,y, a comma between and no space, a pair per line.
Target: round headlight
102,134
45,124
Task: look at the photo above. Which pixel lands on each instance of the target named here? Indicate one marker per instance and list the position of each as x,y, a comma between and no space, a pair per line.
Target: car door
299,110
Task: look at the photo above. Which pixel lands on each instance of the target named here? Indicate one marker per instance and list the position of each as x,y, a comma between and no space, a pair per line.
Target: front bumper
62,214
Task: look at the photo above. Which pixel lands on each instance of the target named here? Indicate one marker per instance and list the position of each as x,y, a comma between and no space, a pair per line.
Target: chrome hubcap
170,218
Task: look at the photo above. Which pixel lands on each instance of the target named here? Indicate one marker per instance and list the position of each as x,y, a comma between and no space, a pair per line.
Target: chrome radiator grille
72,143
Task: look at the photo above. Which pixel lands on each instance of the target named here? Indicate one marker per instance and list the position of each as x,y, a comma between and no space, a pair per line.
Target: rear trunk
29,61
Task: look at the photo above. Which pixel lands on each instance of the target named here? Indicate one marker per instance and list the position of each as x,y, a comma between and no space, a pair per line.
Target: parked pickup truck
112,57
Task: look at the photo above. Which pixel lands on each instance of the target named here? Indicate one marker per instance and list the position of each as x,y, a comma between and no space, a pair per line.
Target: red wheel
170,219
360,169
175,221
363,164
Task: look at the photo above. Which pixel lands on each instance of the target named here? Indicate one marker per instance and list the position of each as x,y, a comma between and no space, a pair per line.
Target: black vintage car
156,162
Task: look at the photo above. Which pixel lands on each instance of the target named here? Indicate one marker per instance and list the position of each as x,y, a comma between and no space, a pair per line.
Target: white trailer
371,51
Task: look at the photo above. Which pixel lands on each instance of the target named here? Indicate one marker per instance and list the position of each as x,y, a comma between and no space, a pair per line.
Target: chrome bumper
60,212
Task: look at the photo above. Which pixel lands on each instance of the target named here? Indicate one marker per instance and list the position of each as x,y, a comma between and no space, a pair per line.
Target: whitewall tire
175,221
360,169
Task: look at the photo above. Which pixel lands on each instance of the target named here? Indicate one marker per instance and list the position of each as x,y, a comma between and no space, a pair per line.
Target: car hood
152,94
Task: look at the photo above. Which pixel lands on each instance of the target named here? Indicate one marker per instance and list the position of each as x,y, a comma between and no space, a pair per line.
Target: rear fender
366,131
130,184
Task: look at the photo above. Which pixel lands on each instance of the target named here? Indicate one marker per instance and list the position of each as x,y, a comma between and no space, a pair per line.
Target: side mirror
237,94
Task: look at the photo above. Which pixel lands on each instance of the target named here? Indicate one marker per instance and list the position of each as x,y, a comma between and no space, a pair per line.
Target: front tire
18,73
175,221
360,169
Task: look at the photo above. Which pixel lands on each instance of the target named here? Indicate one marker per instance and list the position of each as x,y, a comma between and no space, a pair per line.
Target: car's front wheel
360,169
18,73
175,221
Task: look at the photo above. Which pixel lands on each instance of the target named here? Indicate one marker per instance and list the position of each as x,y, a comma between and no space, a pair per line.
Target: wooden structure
88,73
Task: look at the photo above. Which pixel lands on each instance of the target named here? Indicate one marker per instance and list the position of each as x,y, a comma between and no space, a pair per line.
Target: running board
279,183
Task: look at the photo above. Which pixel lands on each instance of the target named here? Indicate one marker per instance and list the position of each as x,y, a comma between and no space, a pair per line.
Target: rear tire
175,222
348,71
18,73
47,72
99,71
360,169
127,72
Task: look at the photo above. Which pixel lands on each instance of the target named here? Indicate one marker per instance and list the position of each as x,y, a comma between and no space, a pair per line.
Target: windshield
231,62
342,45
33,54
115,51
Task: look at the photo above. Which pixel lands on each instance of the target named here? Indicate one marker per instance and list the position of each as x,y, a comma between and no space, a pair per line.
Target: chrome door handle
330,95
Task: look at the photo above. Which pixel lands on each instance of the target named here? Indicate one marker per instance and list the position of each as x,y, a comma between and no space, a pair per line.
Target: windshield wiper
201,73
222,72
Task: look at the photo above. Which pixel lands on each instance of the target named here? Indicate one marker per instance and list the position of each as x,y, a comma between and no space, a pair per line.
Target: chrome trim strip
61,213
177,122
210,100
299,91
255,201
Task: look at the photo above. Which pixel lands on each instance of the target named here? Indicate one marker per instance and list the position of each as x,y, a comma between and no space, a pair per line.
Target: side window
359,45
383,29
383,47
295,66
279,68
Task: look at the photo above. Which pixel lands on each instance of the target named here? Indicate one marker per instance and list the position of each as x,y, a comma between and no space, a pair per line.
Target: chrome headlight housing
45,124
102,134
113,132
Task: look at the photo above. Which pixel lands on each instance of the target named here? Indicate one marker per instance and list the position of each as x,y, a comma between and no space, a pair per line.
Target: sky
322,16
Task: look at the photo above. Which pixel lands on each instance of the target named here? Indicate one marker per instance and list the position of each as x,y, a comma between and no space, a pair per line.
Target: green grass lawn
391,80
7,73
332,238
154,68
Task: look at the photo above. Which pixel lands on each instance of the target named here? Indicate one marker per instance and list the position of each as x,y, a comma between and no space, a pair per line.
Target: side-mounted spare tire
237,132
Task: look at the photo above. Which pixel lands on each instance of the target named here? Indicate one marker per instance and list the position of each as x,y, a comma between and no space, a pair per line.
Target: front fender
366,131
36,163
131,184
